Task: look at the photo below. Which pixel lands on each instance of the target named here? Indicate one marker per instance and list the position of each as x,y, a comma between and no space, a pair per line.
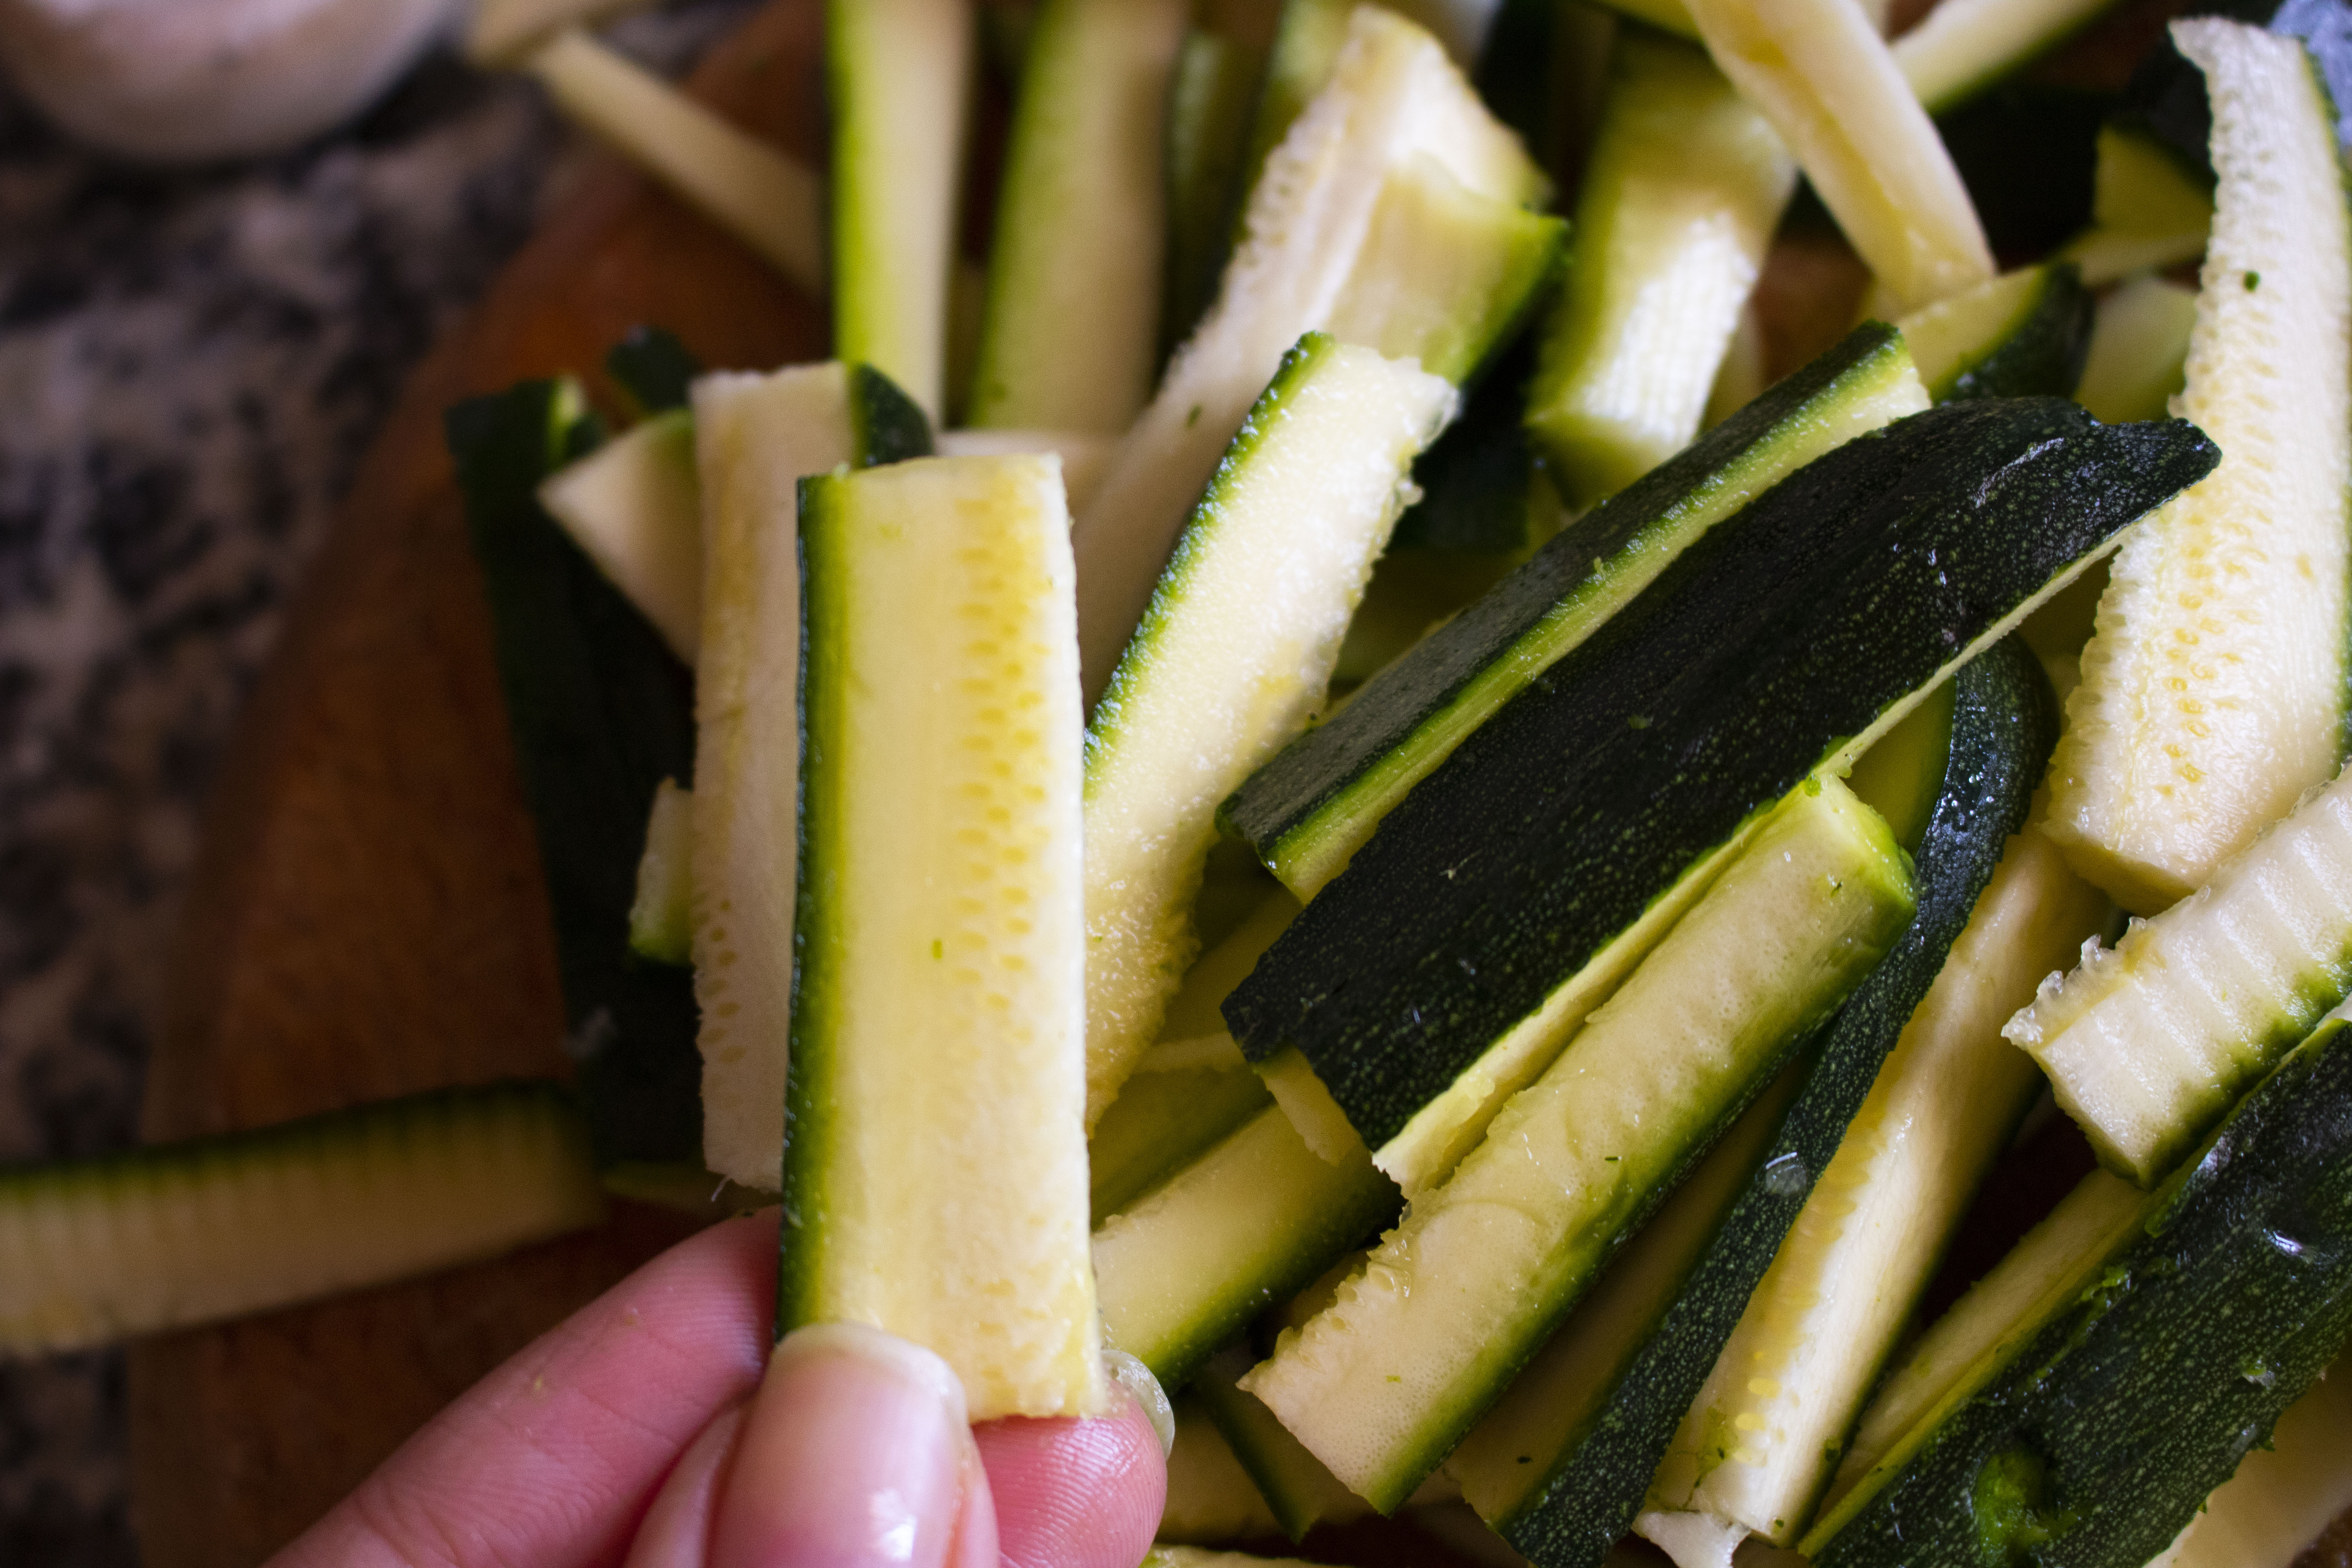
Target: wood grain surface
367,917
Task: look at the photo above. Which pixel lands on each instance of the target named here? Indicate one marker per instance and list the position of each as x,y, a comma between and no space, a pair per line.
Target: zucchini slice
1294,1484
1822,75
1382,1383
1068,337
1758,1445
770,202
2096,1439
935,1175
1769,648
2281,1497
600,714
2140,349
634,506
1581,1492
1397,135
1310,809
1210,1496
1183,1097
661,917
1505,1464
2022,336
1254,1220
2150,207
1684,187
182,1234
755,437
2147,1046
898,85
1962,46
1232,659
2214,691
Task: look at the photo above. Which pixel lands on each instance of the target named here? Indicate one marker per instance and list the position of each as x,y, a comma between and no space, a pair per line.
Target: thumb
854,1454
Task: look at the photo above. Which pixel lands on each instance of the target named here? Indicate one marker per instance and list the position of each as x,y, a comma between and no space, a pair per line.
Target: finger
677,1530
1075,1494
854,1455
552,1460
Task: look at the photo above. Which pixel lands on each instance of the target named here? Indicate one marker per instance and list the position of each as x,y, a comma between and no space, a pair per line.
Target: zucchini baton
1584,1493
2136,1397
1309,810
602,713
1787,637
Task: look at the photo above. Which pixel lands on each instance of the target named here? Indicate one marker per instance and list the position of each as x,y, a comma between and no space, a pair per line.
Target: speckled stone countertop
191,365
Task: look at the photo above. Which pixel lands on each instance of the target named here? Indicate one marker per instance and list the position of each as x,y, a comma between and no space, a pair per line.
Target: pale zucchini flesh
898,82
661,919
1069,333
935,1175
2138,352
1981,1333
1683,188
1232,660
1757,1446
1505,1460
2021,334
755,193
1382,1384
632,506
1822,75
2149,208
2147,1046
1393,96
182,1234
2214,690
756,437
1255,1219
1210,1496
1963,46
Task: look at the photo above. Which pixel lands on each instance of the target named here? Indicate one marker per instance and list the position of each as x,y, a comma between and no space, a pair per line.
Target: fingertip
1075,1494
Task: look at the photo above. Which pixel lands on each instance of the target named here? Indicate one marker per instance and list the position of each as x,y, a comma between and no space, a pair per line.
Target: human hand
653,1429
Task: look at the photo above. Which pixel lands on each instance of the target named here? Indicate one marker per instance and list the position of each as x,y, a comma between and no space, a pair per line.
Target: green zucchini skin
889,426
1474,478
2100,1440
1782,632
2043,357
2004,722
653,369
1314,772
601,712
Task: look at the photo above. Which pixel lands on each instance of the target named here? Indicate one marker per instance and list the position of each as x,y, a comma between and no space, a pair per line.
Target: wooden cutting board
366,918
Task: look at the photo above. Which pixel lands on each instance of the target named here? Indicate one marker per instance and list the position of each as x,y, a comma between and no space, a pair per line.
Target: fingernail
1136,1378
852,1456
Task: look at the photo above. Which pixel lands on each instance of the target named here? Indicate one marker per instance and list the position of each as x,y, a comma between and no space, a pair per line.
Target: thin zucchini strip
1683,188
2140,350
2149,208
898,82
935,1173
634,507
2149,1045
763,198
756,437
1210,1496
1254,1220
2214,690
1398,133
1069,334
503,31
182,1234
1308,810
2024,334
1962,46
1382,1383
1822,76
661,920
600,715
1232,660
2101,1437
1758,1445
1212,98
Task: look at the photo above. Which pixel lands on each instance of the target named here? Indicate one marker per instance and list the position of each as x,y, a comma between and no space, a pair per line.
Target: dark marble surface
191,365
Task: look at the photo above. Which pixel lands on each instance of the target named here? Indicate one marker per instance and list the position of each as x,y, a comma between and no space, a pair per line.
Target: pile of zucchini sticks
1454,745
